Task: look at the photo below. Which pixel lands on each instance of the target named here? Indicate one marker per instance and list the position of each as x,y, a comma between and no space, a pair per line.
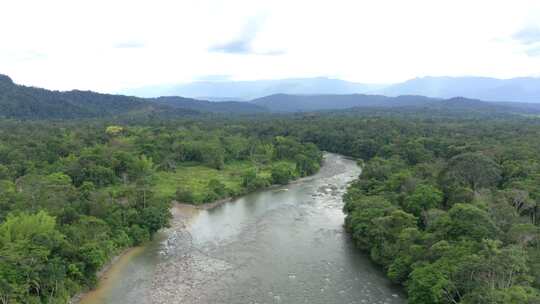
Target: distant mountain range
526,89
247,90
22,102
235,107
305,103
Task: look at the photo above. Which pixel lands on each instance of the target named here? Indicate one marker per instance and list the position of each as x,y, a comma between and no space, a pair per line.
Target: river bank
285,244
107,274
182,215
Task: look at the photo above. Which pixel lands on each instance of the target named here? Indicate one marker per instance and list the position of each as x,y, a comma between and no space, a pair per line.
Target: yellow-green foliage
24,227
195,178
114,130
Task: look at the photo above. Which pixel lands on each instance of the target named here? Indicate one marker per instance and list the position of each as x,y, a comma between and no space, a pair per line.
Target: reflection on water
282,245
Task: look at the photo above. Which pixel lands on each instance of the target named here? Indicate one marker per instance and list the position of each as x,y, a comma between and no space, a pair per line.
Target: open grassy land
196,179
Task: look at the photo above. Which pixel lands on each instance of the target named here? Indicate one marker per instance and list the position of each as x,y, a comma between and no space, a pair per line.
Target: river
280,245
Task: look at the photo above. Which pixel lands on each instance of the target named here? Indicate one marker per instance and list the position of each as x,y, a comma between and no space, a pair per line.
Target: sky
109,46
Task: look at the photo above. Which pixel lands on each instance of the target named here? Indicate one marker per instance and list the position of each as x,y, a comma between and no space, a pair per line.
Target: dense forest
449,207
74,194
447,203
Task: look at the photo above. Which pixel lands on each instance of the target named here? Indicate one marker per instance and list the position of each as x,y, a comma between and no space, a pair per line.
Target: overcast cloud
112,45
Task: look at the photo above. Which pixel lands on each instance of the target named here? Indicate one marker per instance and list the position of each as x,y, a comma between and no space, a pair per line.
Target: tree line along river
281,245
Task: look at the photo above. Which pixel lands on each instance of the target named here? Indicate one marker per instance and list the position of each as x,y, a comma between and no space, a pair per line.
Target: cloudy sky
112,45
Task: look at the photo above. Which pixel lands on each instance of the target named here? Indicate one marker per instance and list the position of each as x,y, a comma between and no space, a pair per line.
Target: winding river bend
281,245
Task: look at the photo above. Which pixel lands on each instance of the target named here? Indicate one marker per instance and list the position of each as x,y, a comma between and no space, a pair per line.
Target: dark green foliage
472,170
253,181
74,194
423,198
22,102
184,195
282,173
217,187
470,222
430,284
447,204
453,216
308,162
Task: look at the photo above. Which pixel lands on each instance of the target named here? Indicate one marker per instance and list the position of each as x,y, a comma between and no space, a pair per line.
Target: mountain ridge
251,89
519,89
22,102
305,103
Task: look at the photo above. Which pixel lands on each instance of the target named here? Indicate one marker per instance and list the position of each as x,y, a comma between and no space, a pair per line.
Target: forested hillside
29,103
224,107
73,195
283,103
34,103
21,102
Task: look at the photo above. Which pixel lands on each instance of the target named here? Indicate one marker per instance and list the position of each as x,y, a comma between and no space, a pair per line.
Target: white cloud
111,45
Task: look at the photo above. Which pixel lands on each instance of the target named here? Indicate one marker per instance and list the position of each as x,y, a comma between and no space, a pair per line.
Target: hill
300,103
22,102
208,106
304,103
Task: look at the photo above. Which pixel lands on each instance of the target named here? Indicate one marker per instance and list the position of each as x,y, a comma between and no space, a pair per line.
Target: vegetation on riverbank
448,206
196,184
72,196
451,210
448,203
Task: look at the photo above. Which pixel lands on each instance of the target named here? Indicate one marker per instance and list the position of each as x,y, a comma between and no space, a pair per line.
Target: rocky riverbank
182,215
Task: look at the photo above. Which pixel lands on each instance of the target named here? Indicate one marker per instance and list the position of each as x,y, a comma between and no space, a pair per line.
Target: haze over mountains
283,103
525,89
247,90
22,102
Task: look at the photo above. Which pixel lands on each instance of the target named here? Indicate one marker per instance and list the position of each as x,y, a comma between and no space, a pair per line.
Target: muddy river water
280,245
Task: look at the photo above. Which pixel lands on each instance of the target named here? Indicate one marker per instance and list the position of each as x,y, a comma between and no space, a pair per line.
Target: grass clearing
196,177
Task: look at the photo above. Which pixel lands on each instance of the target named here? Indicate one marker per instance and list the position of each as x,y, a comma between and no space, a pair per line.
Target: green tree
4,172
468,221
28,243
423,198
217,187
155,218
213,155
184,195
524,234
305,165
429,284
282,173
473,170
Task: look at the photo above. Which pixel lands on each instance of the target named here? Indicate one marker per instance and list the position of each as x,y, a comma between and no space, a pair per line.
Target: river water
280,245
